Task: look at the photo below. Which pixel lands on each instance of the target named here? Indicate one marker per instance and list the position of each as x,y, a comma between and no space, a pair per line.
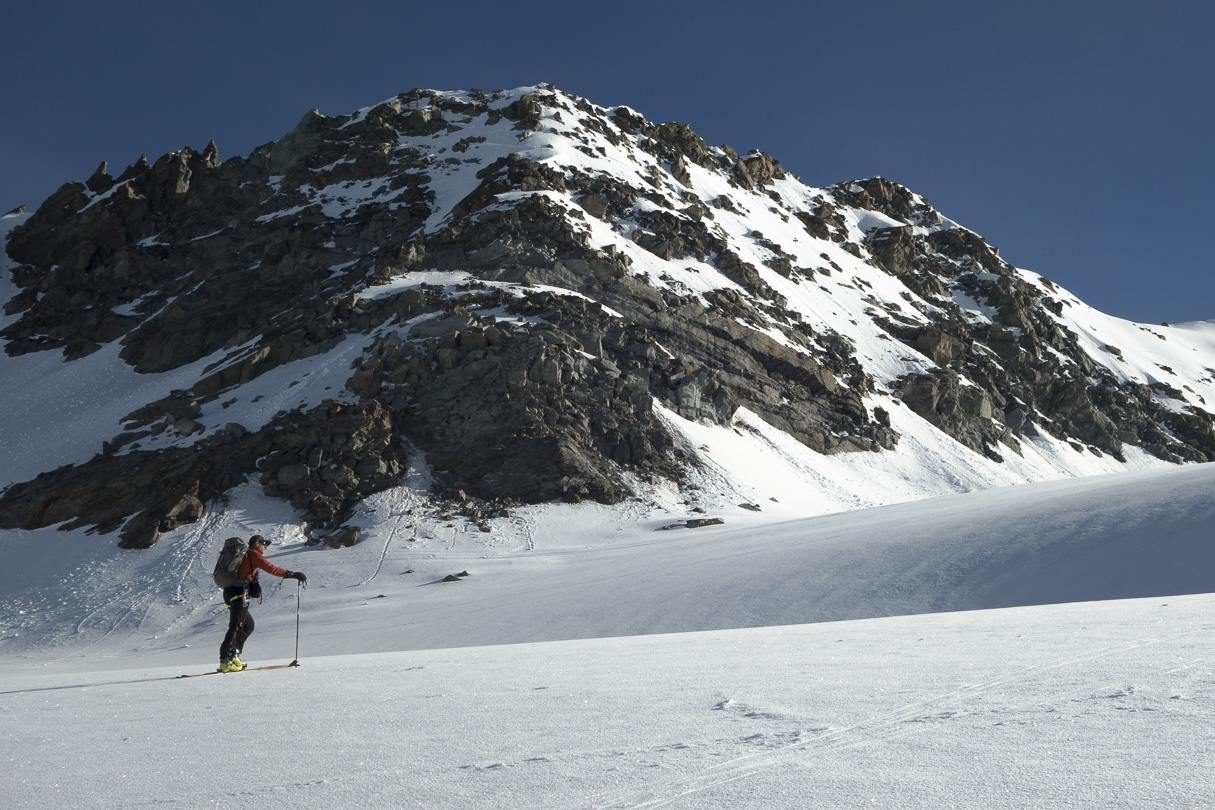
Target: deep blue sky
1075,136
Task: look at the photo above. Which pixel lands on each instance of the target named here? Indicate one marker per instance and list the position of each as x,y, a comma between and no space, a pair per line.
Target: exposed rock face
965,412
323,461
590,295
1022,362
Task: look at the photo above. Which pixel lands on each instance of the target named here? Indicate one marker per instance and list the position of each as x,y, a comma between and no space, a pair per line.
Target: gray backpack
230,558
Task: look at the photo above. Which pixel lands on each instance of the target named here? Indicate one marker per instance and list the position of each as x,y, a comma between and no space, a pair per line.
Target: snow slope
551,573
1068,706
1083,704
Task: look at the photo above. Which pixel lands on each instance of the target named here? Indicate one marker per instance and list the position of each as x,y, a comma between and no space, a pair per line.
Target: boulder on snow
343,538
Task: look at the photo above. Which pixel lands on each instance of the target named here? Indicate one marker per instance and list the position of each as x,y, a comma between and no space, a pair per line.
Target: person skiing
240,622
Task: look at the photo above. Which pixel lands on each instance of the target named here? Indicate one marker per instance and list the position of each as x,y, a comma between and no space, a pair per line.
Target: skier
240,623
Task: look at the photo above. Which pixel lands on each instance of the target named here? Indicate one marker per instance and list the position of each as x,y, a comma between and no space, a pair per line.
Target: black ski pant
240,623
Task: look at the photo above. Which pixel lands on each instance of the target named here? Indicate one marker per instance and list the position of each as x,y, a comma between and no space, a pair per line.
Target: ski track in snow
383,554
902,720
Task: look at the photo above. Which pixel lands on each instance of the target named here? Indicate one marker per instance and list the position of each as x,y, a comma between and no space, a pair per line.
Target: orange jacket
255,560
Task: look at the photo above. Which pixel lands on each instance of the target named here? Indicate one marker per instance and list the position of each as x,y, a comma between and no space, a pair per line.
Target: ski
246,669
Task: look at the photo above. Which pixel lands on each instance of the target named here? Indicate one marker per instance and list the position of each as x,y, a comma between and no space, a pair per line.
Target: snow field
1084,705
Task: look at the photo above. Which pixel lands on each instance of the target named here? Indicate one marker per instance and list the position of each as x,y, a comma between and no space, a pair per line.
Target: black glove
297,575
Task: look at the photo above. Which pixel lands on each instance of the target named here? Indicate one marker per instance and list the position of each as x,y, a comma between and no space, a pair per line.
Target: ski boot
232,664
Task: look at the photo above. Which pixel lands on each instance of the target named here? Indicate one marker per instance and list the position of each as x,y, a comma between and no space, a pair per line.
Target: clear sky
1075,136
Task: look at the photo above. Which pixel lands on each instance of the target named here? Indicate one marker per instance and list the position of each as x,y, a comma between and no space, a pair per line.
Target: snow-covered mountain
519,297
552,378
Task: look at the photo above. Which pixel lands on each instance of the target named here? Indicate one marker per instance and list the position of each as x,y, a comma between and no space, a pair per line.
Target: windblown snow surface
593,658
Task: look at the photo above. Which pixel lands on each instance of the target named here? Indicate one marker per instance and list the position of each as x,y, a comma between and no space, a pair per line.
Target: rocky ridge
534,280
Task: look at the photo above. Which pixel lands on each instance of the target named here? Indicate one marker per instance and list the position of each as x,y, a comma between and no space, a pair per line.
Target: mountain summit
522,296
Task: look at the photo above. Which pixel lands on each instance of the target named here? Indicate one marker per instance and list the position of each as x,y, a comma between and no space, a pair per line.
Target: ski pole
298,588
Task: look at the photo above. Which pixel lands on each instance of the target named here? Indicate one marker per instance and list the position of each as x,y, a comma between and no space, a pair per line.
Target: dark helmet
257,538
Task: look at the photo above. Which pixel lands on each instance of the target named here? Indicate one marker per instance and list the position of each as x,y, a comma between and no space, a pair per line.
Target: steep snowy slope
556,571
